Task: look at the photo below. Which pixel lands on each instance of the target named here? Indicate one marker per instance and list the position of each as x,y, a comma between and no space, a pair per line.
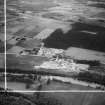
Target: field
50,98
84,54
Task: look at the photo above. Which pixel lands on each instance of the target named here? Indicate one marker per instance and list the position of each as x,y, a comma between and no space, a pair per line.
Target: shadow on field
77,38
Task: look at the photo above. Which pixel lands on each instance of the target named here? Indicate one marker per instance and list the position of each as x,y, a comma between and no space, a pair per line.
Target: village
56,64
